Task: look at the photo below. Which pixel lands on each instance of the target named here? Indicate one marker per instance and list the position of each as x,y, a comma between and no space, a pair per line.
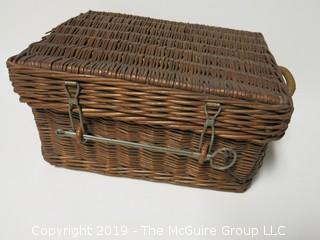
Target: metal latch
209,123
73,103
205,156
208,148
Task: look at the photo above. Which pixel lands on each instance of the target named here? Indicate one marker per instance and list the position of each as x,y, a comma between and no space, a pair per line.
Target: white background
285,192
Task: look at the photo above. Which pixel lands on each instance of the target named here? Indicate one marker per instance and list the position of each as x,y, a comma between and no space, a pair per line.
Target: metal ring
234,159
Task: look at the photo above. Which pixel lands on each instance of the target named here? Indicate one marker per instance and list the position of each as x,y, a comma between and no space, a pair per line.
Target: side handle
291,83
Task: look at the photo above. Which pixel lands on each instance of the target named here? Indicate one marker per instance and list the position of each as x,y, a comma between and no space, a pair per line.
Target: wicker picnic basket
158,100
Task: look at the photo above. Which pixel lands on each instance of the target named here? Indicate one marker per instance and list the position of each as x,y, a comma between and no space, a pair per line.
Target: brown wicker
149,81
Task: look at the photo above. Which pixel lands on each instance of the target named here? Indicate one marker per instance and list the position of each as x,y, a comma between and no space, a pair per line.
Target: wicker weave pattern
147,81
168,54
140,163
142,104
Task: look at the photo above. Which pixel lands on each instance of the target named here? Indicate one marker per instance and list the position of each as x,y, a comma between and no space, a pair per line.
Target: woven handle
291,83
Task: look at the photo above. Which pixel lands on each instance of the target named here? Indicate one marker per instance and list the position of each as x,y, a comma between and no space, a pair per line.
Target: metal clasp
73,103
210,122
210,155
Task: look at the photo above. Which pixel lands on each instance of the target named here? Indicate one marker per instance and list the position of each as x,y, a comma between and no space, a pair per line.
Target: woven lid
198,58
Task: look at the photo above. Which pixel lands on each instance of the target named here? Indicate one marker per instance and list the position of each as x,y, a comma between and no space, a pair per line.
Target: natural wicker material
147,81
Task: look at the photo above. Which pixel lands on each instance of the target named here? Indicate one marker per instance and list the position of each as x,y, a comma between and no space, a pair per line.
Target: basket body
153,104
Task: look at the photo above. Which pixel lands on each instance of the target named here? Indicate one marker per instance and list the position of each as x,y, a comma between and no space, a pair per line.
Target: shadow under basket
163,101
141,163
